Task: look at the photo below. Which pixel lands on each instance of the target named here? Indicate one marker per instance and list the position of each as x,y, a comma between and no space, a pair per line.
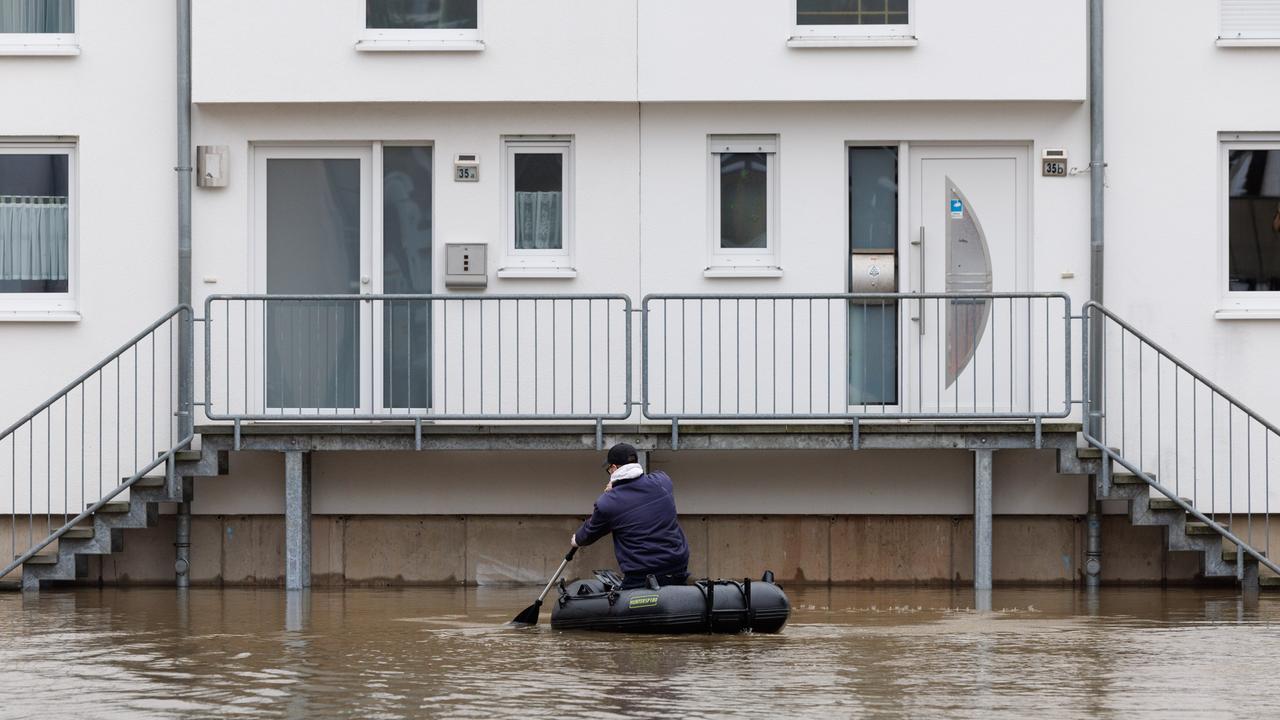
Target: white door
312,232
969,225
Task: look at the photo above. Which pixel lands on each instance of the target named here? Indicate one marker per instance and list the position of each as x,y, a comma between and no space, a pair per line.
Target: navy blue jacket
641,514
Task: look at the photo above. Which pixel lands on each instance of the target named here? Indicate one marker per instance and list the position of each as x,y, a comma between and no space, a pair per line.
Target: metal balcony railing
857,356
417,357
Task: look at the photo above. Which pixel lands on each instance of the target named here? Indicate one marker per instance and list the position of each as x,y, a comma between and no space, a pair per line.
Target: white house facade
827,262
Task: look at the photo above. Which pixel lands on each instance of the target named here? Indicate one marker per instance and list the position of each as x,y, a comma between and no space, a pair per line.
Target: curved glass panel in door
968,271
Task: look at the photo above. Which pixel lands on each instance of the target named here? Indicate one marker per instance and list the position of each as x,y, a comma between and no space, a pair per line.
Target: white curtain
539,220
37,16
33,237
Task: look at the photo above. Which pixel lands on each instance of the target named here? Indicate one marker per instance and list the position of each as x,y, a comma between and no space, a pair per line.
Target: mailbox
466,265
873,274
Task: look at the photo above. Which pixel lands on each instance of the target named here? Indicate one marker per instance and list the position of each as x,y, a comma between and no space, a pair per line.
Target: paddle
530,614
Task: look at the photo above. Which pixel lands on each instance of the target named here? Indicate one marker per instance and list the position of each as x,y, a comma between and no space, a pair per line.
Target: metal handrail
921,303
608,323
91,371
1098,434
95,507
148,371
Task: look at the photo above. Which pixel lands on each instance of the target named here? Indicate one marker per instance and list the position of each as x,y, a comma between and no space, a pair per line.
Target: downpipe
186,345
1097,169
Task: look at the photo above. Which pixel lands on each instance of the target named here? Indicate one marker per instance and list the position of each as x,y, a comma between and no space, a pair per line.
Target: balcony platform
870,435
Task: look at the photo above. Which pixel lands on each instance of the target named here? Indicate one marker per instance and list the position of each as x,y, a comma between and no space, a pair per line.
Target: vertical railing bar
1142,410
555,366
135,407
811,368
1248,475
1266,508
702,355
1177,434
737,347
518,363
684,355
499,355
883,379
152,397
1195,443
773,303
1013,363
591,352
31,482
755,353
1124,398
1047,357
444,332
1213,452
720,356
66,469
536,337
244,388
462,354
1031,344
995,344
573,333
1159,419
119,451
226,349
862,387
388,322
83,454
48,469
1231,456
791,338
831,382
666,351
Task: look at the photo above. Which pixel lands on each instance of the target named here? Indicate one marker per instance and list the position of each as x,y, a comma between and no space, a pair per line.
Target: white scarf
630,471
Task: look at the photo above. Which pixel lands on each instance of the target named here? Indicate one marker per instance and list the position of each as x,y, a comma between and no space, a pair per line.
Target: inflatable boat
716,606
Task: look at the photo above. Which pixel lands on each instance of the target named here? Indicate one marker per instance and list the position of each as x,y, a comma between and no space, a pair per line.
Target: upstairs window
869,20
38,27
37,229
744,205
1249,22
1253,217
421,25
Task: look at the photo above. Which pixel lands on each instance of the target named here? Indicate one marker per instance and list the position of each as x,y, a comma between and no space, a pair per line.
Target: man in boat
639,508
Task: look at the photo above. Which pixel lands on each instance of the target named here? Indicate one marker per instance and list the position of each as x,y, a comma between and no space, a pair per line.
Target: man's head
619,455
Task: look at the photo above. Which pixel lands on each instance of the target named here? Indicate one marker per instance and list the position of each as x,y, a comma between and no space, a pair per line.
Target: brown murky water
145,653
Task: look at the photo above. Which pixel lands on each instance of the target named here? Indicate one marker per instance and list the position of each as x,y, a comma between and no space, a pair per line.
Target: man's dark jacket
641,514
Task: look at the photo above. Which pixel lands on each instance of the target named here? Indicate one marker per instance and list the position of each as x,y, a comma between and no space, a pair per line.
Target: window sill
723,271
39,50
1237,313
545,273
420,46
39,316
1247,42
806,42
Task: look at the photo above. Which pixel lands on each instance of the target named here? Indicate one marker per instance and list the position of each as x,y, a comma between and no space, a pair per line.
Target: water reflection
427,652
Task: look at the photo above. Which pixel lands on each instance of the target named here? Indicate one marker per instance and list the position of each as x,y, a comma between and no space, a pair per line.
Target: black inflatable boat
719,606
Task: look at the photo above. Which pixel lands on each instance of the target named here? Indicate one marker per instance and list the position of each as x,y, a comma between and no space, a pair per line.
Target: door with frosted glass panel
313,219
970,236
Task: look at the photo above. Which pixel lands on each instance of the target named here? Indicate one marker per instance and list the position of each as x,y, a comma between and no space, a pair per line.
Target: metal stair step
1269,581
42,560
1199,528
1163,503
83,532
148,482
1128,479
115,506
187,455
1229,554
1092,453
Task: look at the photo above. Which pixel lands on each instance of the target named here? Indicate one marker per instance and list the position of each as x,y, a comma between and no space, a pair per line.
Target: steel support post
982,467
182,546
1093,549
297,520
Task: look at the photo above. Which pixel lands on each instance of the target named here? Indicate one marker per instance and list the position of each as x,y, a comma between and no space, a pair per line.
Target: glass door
313,238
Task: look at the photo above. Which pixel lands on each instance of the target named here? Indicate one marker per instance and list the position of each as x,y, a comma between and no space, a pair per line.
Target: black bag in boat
721,606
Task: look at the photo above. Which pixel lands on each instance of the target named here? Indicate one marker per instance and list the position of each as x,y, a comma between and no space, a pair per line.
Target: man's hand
573,540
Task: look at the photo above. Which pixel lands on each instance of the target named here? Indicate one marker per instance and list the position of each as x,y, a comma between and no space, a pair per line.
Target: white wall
736,50
304,51
1170,93
116,100
659,50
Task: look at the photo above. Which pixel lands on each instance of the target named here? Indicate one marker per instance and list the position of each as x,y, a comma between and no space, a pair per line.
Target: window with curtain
38,16
539,202
35,221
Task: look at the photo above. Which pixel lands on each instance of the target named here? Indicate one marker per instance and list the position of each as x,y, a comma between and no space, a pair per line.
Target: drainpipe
1097,169
186,349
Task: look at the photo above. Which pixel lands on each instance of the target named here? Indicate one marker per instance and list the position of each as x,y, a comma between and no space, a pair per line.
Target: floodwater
399,653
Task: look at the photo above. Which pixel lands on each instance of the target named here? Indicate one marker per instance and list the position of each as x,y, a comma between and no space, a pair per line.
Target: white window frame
853,35
737,262
50,306
1239,304
420,40
58,44
519,263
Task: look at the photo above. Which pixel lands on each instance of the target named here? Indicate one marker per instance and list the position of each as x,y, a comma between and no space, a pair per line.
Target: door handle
921,309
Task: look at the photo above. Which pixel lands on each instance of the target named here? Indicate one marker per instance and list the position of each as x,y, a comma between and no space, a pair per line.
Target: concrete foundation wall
389,550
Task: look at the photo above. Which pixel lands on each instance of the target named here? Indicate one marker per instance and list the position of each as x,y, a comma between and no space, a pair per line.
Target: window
421,25
38,27
1253,218
873,237
539,207
853,22
1249,22
37,229
744,217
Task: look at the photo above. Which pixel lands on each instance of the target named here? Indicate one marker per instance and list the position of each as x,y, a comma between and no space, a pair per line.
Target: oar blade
528,616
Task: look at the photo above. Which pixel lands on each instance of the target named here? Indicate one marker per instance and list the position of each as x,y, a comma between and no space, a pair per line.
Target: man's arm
596,527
